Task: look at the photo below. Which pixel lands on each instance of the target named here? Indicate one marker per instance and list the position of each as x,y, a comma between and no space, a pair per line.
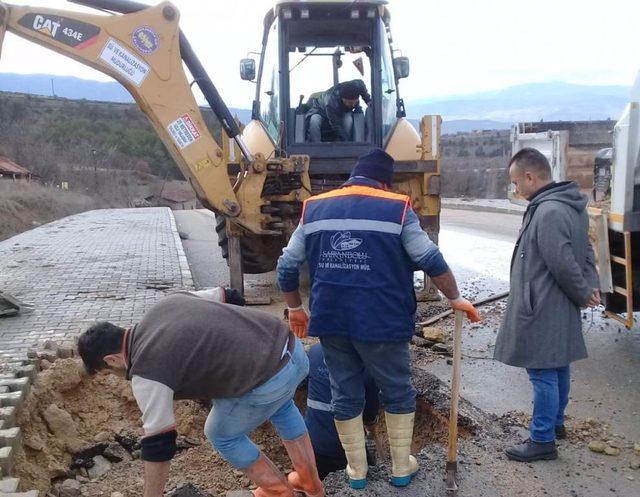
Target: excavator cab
307,48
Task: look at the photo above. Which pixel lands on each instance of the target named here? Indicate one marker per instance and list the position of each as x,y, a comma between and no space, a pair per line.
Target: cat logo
71,32
45,26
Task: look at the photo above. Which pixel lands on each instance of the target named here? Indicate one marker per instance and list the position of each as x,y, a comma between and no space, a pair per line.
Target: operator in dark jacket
330,117
319,414
193,345
552,277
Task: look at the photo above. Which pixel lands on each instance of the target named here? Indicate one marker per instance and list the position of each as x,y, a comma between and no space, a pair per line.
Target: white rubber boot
400,432
351,433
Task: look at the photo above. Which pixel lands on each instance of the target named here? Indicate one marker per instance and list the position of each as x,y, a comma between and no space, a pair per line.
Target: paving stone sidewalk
108,264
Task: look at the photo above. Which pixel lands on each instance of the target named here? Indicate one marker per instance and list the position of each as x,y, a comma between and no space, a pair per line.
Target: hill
74,88
554,101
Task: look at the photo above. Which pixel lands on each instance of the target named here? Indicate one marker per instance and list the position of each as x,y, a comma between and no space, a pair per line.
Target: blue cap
377,165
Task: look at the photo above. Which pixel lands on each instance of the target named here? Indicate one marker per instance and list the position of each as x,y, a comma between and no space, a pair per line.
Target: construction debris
597,446
612,451
476,303
434,334
11,306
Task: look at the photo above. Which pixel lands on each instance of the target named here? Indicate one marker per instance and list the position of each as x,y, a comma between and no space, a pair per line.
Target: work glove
462,304
298,321
232,296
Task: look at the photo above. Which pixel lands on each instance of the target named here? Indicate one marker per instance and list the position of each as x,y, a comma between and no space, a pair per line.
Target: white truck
572,147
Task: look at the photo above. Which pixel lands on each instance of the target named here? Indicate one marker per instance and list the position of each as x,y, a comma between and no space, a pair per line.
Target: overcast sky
455,46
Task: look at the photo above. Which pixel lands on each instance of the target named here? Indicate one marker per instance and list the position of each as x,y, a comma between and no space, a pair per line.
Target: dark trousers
320,130
326,464
387,362
550,399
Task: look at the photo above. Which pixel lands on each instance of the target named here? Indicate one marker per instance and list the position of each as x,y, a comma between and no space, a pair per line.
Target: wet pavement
605,386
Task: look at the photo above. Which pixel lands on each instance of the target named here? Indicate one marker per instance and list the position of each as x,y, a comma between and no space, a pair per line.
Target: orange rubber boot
271,482
305,477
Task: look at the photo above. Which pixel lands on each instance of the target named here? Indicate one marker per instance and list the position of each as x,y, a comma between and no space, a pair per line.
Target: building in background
11,170
175,195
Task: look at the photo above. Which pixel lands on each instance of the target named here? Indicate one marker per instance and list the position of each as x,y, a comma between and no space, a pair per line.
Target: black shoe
561,432
530,451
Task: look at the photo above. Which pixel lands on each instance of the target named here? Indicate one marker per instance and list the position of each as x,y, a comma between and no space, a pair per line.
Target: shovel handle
455,389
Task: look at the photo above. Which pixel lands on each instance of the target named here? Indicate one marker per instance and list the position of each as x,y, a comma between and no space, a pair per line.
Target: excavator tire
259,252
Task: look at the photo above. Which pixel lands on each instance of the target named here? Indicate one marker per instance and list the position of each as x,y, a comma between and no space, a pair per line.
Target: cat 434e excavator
255,180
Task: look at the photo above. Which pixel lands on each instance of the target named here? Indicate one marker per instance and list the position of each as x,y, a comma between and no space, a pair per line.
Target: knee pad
160,447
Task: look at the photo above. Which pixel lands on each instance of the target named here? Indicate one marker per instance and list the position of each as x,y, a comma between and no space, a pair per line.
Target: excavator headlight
304,13
371,13
287,13
355,14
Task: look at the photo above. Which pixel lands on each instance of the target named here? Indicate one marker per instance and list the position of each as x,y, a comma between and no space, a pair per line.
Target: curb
19,371
187,277
483,208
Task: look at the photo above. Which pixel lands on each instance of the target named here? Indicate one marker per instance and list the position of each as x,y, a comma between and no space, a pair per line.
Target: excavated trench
75,427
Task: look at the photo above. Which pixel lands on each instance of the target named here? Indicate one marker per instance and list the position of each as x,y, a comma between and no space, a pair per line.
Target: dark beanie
351,89
377,165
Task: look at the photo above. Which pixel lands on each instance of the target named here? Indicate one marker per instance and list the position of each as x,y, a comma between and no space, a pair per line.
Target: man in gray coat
552,277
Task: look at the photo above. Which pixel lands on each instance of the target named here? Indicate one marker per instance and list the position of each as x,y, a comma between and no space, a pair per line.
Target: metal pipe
197,70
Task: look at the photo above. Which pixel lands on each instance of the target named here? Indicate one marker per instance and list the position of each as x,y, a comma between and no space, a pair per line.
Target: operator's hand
299,321
462,304
594,301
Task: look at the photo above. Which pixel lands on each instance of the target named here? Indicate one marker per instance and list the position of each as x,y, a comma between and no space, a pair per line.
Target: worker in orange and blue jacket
362,243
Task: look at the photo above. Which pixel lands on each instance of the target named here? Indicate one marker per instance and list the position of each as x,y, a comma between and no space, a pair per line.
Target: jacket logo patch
342,241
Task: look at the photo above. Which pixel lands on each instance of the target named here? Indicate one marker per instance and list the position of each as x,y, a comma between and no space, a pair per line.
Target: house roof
177,193
7,166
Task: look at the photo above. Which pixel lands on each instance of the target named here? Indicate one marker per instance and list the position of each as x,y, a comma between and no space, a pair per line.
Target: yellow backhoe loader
255,180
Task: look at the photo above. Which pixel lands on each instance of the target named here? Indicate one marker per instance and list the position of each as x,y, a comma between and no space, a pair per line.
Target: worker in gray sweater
194,346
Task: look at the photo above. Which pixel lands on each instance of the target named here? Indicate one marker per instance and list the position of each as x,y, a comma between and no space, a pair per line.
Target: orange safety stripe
361,190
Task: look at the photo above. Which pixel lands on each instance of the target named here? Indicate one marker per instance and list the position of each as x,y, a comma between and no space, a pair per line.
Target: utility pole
94,154
53,90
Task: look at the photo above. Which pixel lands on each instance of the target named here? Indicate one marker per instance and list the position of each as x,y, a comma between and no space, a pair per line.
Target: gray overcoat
552,276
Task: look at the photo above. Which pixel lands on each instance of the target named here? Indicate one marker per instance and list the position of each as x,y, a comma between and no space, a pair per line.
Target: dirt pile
87,430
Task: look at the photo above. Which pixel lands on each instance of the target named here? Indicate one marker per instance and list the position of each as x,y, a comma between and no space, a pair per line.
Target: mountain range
553,101
498,109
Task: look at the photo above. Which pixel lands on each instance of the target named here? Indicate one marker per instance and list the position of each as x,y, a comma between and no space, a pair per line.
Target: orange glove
298,321
462,304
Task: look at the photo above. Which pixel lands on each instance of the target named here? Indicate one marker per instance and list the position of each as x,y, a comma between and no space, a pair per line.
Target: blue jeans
550,399
386,362
232,419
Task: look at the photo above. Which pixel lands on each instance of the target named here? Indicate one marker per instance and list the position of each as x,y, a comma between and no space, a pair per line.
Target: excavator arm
143,48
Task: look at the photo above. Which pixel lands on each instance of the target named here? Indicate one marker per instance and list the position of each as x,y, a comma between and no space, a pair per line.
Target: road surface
478,246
